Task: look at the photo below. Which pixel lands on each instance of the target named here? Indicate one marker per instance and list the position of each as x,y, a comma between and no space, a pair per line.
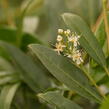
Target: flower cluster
68,45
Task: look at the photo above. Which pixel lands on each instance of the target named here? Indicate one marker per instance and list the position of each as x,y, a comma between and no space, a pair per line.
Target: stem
20,24
93,82
106,21
96,26
103,15
106,70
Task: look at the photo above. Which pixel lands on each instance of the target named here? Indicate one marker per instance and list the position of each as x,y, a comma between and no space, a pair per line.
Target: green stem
106,70
106,21
20,24
106,27
93,82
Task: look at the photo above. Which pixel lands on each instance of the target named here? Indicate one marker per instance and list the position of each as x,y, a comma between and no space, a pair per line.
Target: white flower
69,45
59,38
60,31
81,59
78,62
68,55
75,44
73,39
75,50
67,32
70,39
76,57
59,47
78,36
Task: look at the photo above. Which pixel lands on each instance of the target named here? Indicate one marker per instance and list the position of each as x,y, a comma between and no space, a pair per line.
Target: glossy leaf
67,73
56,99
7,95
29,71
87,40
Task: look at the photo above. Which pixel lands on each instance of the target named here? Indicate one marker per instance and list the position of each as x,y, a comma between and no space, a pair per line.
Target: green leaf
5,65
28,39
87,40
8,77
29,71
97,73
7,95
105,104
100,33
93,9
7,72
10,35
54,98
67,73
33,7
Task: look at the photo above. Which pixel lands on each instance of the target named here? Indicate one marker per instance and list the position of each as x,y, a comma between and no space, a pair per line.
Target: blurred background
43,17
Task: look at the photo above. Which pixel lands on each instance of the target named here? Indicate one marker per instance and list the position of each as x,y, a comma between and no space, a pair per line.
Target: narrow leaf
67,73
8,77
10,35
7,95
58,100
87,40
29,71
5,65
